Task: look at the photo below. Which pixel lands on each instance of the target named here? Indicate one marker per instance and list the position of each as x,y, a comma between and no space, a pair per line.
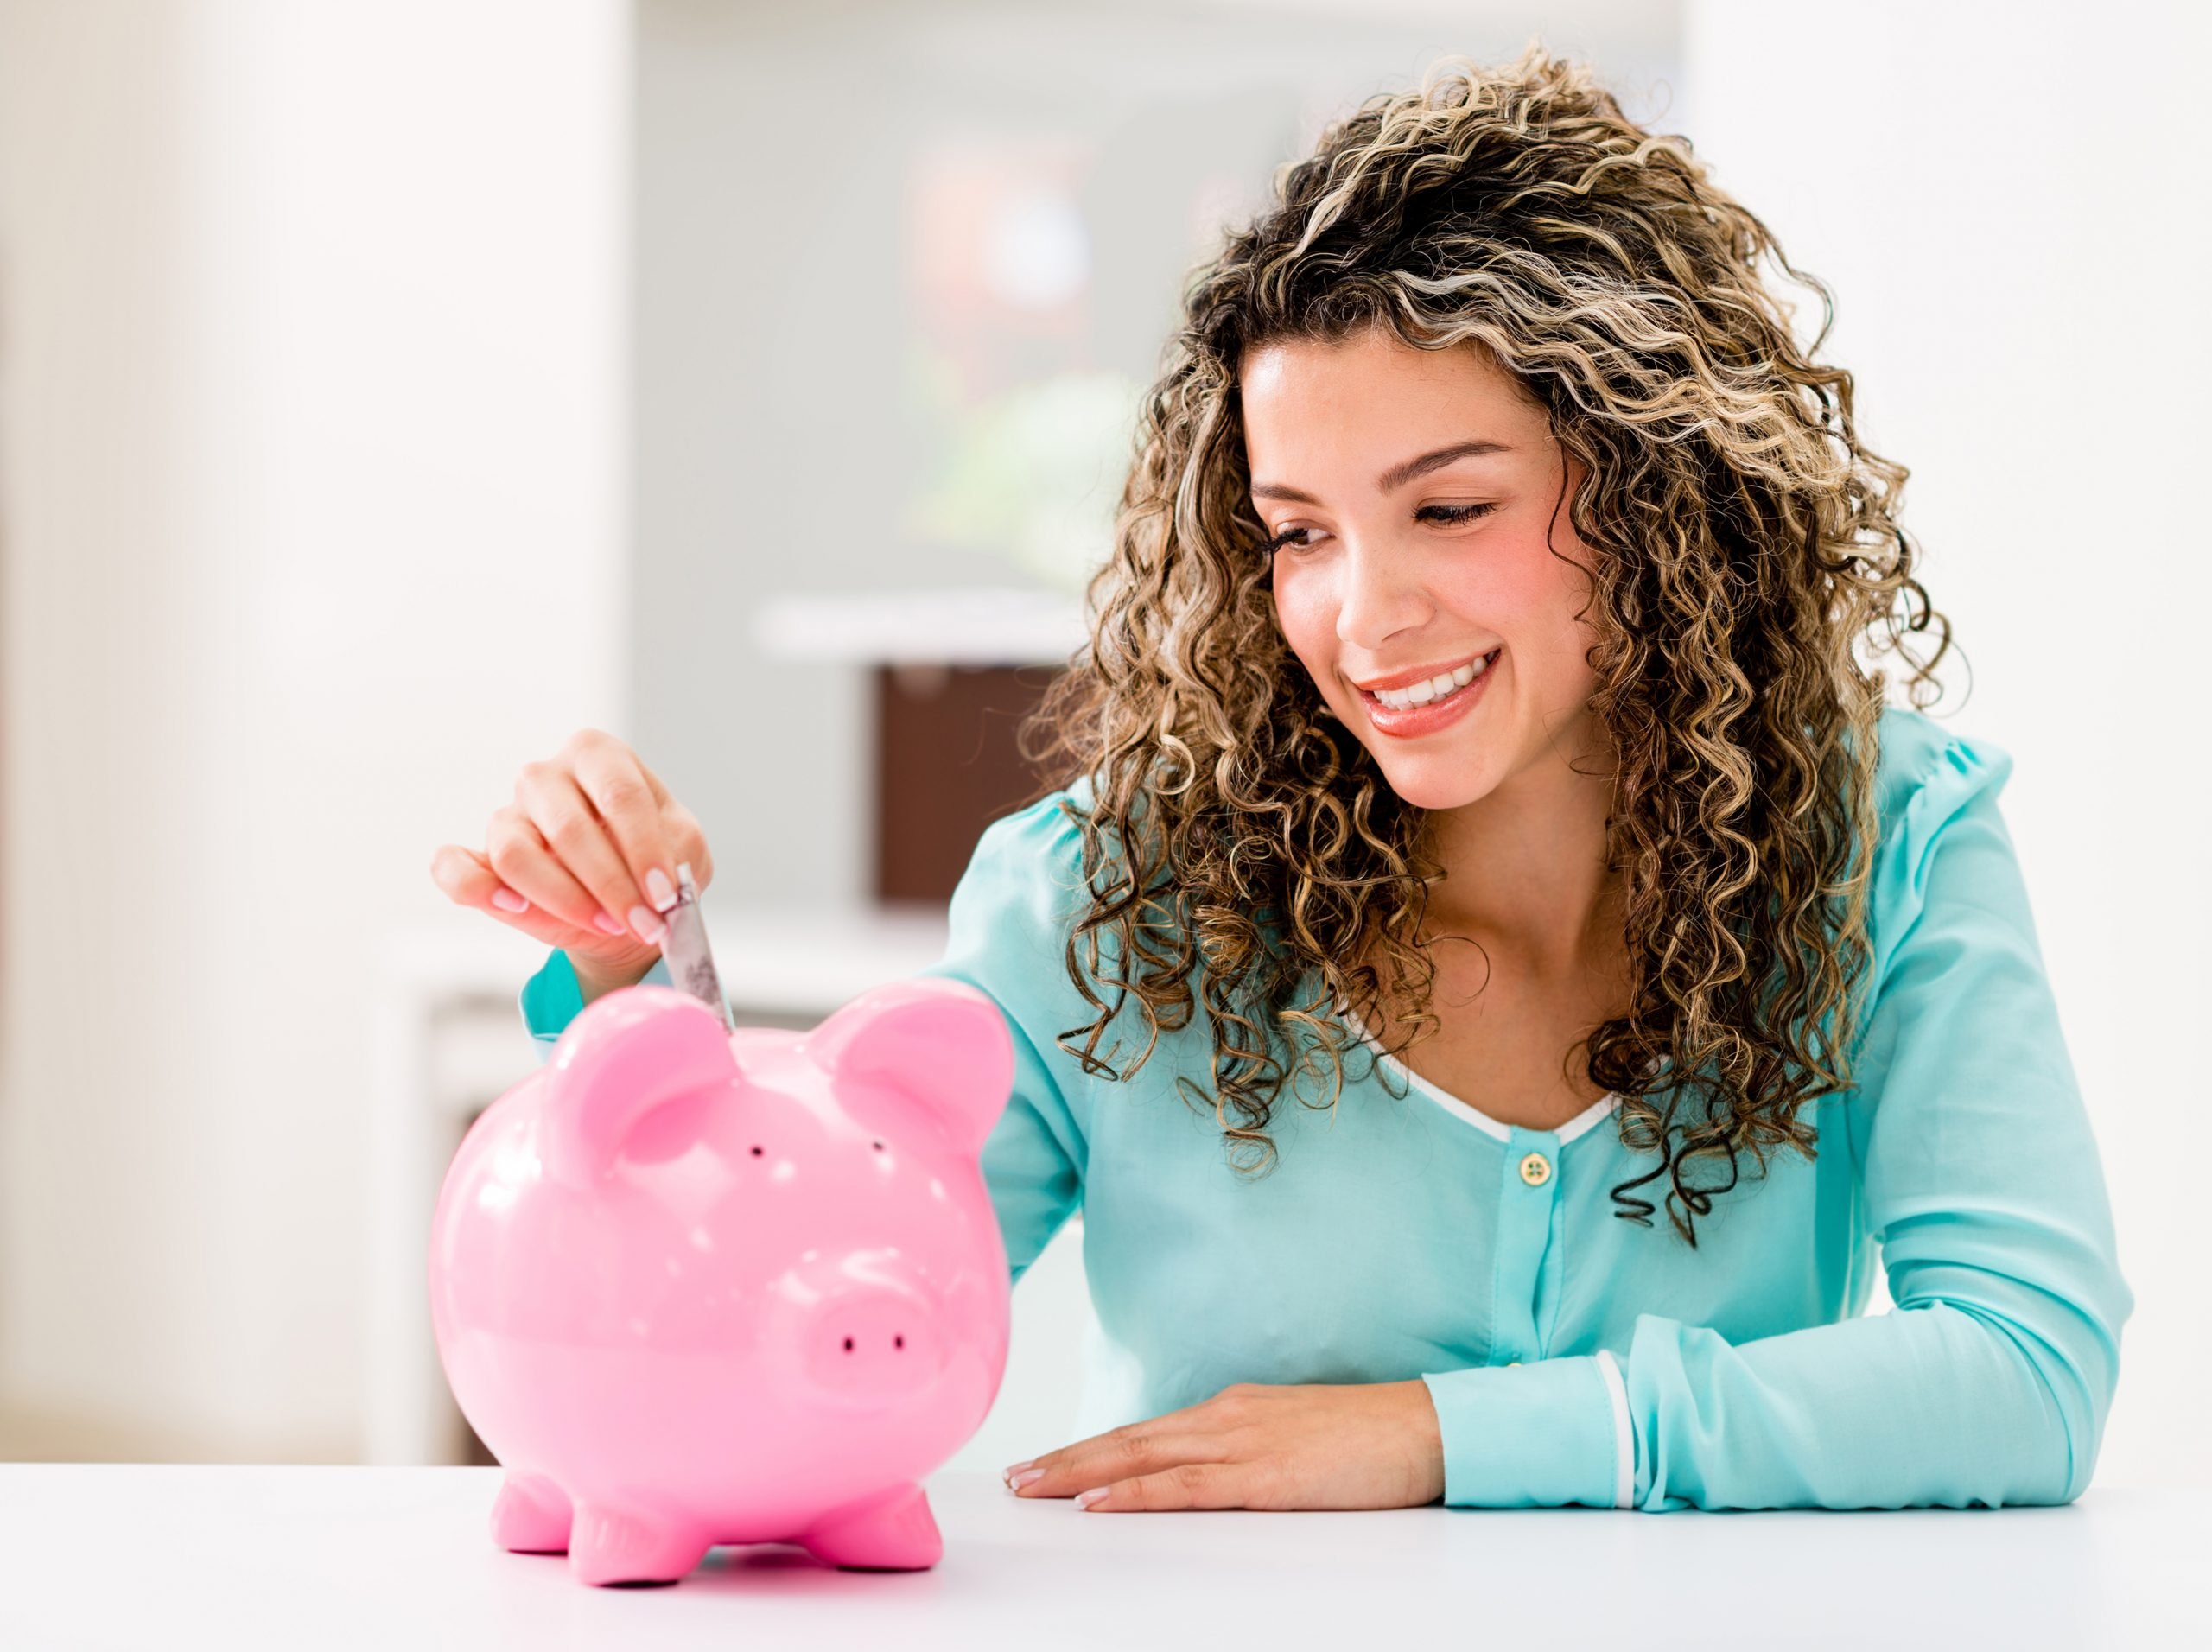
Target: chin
1440,779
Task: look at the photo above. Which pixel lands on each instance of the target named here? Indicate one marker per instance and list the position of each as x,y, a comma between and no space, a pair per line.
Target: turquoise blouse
1574,1357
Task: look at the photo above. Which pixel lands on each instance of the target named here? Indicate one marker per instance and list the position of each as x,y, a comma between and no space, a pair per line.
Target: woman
1598,981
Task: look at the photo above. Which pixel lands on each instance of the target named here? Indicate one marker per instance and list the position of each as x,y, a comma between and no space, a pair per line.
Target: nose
870,1342
1379,598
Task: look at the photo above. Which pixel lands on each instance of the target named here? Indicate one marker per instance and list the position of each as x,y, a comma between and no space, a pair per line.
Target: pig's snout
873,1342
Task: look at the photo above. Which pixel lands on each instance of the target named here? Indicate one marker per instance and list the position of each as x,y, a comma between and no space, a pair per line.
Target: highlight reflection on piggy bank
693,1286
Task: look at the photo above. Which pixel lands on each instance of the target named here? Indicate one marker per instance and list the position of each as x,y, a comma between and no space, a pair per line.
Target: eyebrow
1391,481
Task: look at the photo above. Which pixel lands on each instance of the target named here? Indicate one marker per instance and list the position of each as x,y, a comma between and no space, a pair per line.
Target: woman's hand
1254,1445
584,859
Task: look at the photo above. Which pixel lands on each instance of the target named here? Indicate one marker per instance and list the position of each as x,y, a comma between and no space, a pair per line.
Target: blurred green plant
1033,475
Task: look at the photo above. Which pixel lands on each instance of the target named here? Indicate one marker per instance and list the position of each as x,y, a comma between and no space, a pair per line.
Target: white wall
312,499
2006,201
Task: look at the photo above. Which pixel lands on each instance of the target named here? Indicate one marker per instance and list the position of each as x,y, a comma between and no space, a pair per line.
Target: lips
1410,722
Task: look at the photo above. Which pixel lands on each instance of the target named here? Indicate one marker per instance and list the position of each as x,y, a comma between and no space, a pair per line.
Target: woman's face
1410,553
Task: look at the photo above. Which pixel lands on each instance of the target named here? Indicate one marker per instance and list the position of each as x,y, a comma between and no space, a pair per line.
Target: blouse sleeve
1006,920
551,999
1007,923
1989,1382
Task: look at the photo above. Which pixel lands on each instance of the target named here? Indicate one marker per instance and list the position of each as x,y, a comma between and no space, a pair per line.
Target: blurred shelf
776,961
959,625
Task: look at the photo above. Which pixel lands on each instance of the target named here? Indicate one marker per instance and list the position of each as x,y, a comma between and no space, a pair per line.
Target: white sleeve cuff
1623,1435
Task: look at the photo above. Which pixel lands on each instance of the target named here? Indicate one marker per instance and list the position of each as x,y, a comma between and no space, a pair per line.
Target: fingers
1188,1485
660,792
587,853
629,805
687,842
469,880
1198,1444
1140,1448
525,862
679,828
565,858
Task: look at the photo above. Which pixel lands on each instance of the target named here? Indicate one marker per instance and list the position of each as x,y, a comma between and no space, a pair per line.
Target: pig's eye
878,1145
756,1152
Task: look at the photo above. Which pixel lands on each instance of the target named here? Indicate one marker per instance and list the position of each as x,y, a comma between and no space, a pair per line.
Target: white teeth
1436,688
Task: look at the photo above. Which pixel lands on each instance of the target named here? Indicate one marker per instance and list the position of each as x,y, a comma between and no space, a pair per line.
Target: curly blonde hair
1746,546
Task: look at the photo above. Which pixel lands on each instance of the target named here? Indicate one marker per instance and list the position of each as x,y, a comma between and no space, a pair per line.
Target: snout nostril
849,1344
898,1342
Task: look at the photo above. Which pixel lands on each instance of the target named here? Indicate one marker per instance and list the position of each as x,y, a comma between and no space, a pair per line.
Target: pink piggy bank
693,1286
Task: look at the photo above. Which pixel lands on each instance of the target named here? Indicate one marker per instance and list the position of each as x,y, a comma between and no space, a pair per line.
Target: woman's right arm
1006,934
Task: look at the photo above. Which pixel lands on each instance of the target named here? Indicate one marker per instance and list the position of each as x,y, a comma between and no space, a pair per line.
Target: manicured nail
660,889
508,901
1012,1469
608,922
1084,1499
650,929
1015,1482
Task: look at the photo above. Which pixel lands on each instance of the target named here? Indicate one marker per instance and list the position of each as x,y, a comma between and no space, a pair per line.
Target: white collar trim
1587,1119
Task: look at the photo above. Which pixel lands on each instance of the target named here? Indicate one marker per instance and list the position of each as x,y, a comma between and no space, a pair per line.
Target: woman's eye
1290,538
1456,513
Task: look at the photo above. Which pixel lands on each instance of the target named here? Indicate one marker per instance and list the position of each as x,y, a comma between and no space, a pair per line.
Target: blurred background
388,391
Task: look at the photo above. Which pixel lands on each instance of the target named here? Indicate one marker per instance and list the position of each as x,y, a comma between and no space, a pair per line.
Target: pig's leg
531,1515
893,1532
616,1546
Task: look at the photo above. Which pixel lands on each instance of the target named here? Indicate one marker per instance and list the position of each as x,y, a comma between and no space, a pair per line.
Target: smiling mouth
1436,691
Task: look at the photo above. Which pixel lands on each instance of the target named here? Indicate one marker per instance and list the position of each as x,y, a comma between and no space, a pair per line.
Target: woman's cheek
1305,623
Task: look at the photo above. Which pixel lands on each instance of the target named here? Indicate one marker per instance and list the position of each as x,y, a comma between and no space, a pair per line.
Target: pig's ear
942,1043
623,1055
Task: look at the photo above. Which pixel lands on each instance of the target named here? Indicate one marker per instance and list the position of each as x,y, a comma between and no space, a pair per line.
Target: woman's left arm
1990,1381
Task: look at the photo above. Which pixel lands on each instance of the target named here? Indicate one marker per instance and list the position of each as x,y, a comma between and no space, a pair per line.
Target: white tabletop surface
128,1555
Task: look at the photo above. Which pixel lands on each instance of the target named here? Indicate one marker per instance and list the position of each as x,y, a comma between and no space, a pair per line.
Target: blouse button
1535,1169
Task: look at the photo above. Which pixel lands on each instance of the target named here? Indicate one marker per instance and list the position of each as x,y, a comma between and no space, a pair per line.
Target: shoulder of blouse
1928,779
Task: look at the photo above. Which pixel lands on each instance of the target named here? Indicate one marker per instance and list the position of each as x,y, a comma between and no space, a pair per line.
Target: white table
126,1555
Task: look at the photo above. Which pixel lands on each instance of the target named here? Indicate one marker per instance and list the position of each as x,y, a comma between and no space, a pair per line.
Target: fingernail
660,889
650,929
1084,1499
608,922
1012,1469
1015,1482
508,901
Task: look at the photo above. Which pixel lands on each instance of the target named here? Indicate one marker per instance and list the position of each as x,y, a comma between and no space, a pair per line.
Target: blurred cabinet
947,765
955,672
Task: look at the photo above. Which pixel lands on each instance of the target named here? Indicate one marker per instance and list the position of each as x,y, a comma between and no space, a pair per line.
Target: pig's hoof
892,1533
610,1546
531,1515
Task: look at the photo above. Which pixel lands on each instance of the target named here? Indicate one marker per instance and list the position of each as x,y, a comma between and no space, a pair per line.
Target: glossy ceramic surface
693,1286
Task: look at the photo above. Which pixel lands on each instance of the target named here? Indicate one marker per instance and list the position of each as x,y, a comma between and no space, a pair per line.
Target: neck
1525,867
